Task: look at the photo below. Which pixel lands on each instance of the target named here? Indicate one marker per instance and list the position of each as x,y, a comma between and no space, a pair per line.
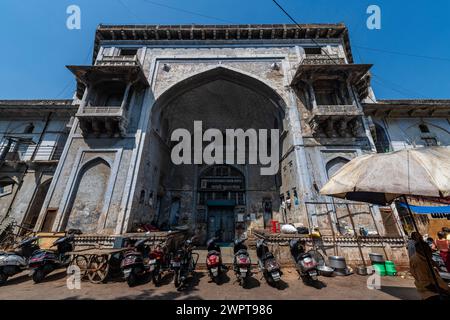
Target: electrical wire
70,81
402,53
187,11
330,58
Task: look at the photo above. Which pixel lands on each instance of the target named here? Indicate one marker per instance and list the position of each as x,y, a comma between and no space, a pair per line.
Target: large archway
221,99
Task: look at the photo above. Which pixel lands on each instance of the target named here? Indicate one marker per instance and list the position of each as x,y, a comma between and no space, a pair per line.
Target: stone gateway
102,161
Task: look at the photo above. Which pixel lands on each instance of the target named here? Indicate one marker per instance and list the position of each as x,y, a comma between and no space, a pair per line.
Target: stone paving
348,288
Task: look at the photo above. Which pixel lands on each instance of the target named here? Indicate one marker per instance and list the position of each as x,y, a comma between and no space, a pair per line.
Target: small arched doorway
221,188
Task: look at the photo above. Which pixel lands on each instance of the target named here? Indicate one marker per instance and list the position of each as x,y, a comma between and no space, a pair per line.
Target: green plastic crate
390,268
379,268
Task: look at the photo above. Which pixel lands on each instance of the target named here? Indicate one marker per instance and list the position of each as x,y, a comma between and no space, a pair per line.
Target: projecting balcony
334,121
103,120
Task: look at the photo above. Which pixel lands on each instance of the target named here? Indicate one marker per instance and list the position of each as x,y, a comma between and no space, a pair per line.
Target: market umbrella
382,178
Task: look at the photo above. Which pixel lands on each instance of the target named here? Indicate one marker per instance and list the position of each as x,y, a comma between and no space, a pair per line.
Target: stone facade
115,171
32,137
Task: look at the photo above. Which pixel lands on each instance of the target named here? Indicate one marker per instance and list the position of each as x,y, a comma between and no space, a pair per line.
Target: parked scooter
267,263
43,261
183,263
439,262
305,263
214,260
241,262
159,262
136,262
12,263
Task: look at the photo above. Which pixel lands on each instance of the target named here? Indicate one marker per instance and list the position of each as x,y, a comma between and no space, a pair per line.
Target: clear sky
411,52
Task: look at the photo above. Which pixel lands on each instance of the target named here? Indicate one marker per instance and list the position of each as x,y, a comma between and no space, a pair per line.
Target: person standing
424,280
442,244
414,238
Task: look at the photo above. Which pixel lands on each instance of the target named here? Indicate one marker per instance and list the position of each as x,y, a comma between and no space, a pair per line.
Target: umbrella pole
430,266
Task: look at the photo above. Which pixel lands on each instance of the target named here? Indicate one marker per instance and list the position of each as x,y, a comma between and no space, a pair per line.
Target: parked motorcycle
136,262
267,263
183,264
439,262
12,263
44,261
159,262
241,262
305,263
214,260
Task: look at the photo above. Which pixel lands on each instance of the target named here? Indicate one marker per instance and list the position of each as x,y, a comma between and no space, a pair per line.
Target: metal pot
337,262
361,270
376,258
325,271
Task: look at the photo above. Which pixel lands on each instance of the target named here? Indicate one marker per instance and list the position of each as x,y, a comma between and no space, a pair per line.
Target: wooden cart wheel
98,268
83,263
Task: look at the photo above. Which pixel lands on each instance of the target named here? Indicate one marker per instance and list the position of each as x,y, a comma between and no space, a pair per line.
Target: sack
302,230
288,228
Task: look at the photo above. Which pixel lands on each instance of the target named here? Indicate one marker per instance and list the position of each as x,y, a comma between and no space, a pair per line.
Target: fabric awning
427,209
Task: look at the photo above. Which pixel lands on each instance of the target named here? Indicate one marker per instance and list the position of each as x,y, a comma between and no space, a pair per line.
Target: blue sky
36,45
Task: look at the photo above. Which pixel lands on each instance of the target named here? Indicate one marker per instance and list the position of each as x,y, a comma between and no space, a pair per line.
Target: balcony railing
118,61
108,110
25,152
337,110
323,59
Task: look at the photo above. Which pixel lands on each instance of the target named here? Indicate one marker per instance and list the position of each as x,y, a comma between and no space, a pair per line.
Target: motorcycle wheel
216,279
38,275
156,278
177,281
244,282
132,279
3,278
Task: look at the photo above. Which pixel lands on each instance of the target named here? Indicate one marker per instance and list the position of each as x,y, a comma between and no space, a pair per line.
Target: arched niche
334,165
87,201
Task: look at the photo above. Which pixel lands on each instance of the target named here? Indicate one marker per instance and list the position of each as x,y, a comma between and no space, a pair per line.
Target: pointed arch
87,200
233,75
334,165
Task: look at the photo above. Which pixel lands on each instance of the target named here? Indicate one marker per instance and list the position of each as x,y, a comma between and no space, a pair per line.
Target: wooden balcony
336,121
111,121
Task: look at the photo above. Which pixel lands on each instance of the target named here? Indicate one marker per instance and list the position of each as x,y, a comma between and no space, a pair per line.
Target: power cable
130,11
187,11
69,82
402,53
312,39
332,60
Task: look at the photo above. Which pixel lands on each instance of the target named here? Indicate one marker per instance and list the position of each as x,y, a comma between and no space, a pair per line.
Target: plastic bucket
390,268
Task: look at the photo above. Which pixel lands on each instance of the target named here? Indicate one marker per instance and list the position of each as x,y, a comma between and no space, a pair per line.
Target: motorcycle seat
268,256
242,251
213,252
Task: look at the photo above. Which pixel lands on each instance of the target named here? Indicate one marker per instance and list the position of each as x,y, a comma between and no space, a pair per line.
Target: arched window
424,128
6,186
334,165
381,140
29,128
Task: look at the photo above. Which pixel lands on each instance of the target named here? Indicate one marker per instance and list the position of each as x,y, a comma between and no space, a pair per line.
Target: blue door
221,223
